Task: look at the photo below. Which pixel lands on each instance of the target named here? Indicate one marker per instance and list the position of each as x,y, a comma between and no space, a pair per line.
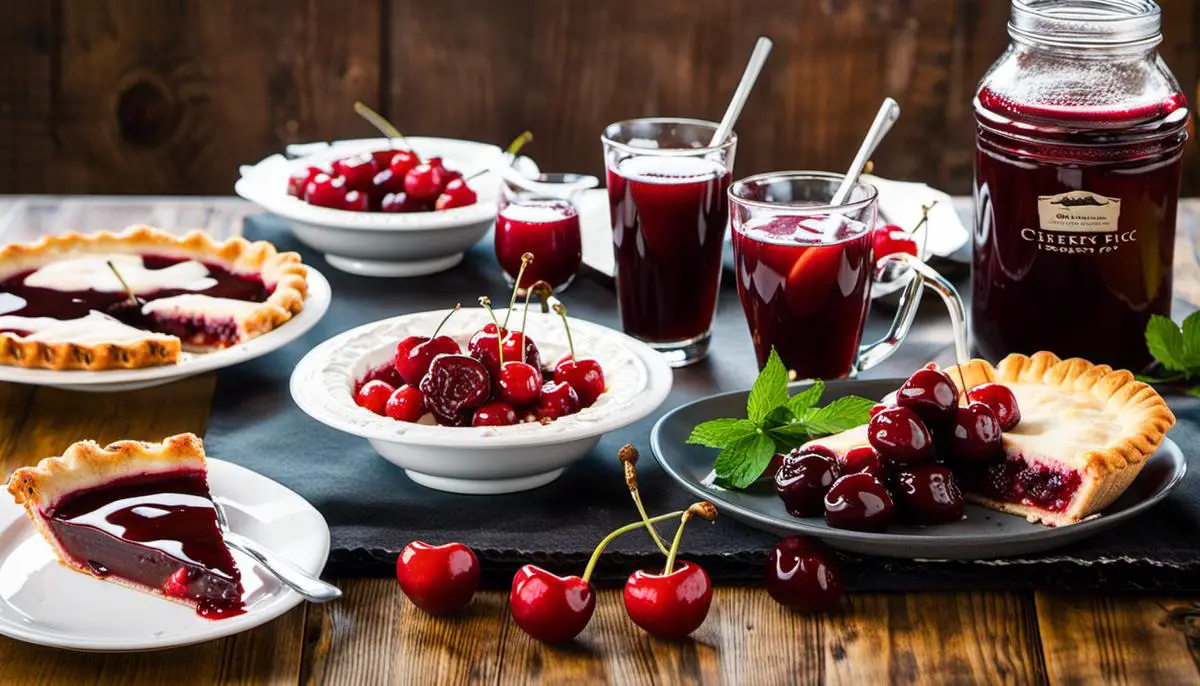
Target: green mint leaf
769,390
791,435
719,433
1164,378
806,398
1165,341
744,460
839,415
1190,330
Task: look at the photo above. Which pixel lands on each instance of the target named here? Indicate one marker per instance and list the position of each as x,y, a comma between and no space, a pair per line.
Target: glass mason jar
1079,144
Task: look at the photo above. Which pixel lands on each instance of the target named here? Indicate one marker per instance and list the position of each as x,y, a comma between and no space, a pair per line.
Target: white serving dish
378,243
482,460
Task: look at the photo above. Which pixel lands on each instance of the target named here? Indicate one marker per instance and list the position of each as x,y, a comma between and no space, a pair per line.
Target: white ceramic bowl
378,243
481,460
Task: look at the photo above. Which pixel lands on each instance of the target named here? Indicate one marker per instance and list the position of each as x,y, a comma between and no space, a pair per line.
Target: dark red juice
547,228
804,285
1075,224
669,216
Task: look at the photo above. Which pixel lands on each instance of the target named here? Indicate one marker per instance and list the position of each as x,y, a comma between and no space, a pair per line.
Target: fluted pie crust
282,272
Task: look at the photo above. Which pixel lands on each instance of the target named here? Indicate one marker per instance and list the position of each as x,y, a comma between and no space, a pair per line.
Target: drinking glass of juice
804,271
666,195
541,216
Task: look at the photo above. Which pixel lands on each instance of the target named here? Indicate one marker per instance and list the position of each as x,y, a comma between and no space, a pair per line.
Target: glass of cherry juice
666,195
541,217
804,271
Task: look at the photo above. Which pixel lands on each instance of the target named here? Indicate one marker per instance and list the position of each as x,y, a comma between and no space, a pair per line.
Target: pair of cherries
913,435
554,609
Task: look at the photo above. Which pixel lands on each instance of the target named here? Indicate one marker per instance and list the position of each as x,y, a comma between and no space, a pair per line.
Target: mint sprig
1177,349
774,423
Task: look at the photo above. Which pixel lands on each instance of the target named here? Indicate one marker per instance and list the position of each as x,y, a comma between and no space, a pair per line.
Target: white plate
378,243
45,603
190,364
481,460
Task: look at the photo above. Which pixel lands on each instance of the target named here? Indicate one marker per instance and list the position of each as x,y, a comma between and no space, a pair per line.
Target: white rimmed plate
190,364
481,460
45,603
378,243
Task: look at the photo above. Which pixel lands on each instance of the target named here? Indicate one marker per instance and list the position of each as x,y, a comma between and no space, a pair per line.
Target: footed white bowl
378,243
481,460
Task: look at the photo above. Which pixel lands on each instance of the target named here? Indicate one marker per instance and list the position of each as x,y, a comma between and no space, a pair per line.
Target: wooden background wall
170,96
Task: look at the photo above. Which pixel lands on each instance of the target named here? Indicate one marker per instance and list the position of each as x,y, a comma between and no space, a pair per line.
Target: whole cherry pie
140,297
137,514
1073,441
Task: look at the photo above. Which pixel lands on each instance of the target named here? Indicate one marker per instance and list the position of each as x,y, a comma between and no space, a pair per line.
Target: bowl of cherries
478,401
384,206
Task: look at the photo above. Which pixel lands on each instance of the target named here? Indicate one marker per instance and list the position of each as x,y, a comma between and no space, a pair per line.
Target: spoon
757,58
888,113
300,581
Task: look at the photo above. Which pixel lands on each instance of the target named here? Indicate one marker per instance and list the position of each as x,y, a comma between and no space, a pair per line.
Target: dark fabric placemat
373,509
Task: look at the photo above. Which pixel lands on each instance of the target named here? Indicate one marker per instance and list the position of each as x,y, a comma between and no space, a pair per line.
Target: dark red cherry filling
147,528
803,480
1017,480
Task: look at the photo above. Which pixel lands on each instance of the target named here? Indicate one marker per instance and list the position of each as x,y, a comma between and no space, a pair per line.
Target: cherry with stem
585,376
384,126
674,603
628,456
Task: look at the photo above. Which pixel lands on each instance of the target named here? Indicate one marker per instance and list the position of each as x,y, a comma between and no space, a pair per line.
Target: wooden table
373,635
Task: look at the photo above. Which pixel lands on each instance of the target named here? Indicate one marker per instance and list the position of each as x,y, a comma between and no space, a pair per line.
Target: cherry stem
438,330
526,258
128,291
561,310
385,127
924,223
519,142
962,377
543,291
591,565
702,509
629,456
486,302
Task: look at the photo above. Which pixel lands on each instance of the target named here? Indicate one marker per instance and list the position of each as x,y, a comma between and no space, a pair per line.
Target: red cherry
383,158
176,585
927,494
975,435
862,460
438,579
386,182
931,394
858,502
495,413
558,400
436,161
402,162
374,395
424,182
485,347
551,608
324,190
900,436
455,383
888,400
890,239
357,201
298,181
1002,402
358,170
456,194
803,573
585,376
803,480
407,404
400,202
669,605
519,384
415,353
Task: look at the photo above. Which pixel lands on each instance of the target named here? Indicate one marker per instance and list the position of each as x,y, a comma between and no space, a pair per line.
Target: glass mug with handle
804,272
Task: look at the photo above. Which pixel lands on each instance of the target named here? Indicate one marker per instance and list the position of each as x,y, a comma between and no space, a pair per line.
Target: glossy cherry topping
930,393
862,460
975,434
900,436
859,502
927,494
803,480
1017,480
558,399
518,383
495,413
803,573
156,530
1002,402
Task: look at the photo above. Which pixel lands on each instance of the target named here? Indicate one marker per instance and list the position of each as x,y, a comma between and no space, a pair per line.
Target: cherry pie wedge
1085,432
137,514
62,306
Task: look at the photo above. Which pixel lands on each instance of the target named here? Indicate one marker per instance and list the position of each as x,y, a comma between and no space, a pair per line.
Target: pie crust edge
284,270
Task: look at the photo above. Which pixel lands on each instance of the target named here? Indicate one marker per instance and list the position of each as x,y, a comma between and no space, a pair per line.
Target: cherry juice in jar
1079,144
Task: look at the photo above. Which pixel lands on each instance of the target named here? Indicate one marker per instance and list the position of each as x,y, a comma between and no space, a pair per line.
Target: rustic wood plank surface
375,636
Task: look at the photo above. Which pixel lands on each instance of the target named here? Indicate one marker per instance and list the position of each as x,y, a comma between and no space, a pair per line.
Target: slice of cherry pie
137,514
1085,431
62,306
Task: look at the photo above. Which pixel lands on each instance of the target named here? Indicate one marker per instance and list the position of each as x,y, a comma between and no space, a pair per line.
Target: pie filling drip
1024,482
145,529
186,298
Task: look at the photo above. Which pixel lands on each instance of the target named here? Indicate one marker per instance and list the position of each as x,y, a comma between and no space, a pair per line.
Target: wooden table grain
374,636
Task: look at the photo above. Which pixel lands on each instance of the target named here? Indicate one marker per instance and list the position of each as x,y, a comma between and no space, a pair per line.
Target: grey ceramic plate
983,534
